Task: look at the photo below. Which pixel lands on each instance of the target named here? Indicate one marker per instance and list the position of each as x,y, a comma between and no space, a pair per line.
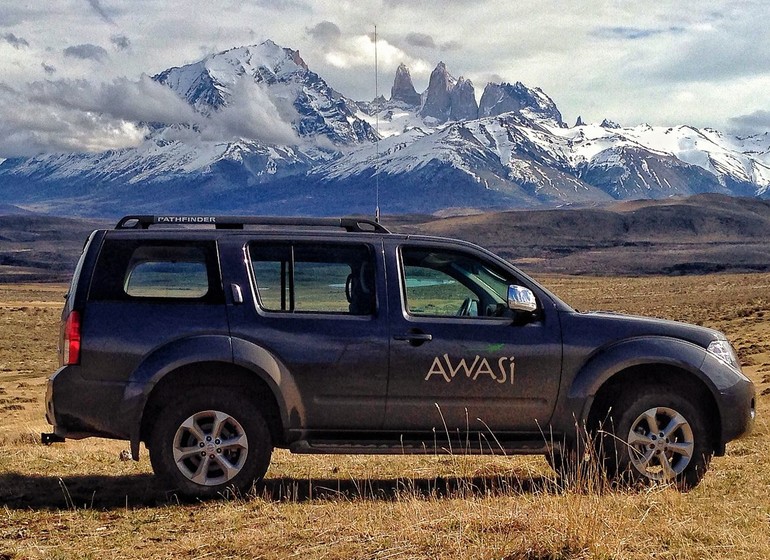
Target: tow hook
48,439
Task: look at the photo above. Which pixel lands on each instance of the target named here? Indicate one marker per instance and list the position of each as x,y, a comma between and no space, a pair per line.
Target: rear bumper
78,408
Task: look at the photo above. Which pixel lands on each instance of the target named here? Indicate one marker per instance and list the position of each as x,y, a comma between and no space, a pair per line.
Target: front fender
629,353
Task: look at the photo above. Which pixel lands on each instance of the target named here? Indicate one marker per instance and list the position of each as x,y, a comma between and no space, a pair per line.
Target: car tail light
72,339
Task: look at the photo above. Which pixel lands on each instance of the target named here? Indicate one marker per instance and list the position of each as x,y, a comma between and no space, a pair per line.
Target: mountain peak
273,136
606,123
296,98
296,58
206,84
532,102
447,98
463,104
437,101
403,88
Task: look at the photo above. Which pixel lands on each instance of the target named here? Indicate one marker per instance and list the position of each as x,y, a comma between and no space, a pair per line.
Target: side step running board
339,447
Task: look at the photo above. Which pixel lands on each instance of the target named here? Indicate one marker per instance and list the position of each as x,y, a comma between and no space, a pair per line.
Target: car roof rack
360,225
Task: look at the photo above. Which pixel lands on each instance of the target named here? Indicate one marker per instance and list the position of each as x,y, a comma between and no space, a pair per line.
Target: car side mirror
521,299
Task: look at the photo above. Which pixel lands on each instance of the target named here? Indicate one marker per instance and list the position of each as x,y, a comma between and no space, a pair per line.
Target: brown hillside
700,234
704,233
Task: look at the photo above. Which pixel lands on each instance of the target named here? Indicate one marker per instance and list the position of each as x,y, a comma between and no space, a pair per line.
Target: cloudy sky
74,74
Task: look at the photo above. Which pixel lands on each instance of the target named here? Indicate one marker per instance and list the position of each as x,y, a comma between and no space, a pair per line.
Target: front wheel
210,441
657,435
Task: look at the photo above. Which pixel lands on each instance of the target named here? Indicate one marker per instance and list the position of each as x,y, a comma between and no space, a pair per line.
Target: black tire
210,441
654,434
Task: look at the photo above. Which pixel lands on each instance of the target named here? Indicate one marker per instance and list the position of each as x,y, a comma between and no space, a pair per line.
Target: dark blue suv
214,340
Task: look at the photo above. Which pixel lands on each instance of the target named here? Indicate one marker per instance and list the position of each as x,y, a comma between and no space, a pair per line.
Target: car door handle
237,293
414,338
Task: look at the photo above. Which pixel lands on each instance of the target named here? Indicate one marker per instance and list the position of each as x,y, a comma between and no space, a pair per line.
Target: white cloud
28,128
325,32
77,115
120,42
355,56
121,99
14,41
253,115
665,62
754,123
97,7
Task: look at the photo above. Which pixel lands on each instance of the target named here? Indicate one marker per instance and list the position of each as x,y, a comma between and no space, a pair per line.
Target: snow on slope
248,80
525,145
209,83
526,154
745,160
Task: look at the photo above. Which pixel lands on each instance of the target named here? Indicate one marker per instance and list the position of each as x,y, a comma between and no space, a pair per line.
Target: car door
460,359
317,311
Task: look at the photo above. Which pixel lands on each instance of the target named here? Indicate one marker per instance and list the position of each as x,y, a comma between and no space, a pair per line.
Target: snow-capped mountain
211,84
268,135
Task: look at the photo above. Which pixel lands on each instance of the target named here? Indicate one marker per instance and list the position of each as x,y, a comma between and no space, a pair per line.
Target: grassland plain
80,500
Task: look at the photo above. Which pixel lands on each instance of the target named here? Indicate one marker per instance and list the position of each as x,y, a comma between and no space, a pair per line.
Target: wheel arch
636,378
200,375
206,360
633,363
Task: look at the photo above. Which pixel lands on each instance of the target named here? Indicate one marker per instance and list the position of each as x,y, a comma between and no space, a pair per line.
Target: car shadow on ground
292,489
24,491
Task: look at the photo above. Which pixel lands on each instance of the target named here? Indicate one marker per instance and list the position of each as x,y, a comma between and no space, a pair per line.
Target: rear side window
167,272
299,278
157,270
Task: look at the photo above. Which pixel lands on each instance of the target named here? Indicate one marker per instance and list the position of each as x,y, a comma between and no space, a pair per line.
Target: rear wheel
208,442
656,435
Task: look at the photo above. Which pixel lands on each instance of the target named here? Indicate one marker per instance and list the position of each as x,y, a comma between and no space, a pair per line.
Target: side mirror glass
521,299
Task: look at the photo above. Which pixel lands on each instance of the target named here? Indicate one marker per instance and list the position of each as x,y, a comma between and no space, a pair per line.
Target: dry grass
79,500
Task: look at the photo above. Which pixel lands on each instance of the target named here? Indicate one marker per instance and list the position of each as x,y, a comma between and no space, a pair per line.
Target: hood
619,326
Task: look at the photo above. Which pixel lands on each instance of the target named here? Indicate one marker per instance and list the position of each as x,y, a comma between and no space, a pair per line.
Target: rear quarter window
157,270
167,272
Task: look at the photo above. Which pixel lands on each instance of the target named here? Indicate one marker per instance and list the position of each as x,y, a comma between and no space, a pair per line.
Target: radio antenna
377,134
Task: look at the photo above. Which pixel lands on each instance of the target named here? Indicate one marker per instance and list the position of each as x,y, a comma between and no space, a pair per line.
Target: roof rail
360,225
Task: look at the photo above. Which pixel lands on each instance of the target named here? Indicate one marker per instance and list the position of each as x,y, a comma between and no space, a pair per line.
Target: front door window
441,284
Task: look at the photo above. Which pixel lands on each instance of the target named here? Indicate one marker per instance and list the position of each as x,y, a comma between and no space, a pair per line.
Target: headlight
722,350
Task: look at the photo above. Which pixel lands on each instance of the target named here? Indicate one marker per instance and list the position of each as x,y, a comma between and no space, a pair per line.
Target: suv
215,344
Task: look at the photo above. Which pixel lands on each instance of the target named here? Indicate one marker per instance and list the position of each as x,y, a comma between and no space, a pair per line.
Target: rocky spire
437,100
496,100
462,99
403,88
